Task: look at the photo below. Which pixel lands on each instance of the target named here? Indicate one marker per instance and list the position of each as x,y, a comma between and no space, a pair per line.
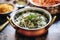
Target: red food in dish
45,3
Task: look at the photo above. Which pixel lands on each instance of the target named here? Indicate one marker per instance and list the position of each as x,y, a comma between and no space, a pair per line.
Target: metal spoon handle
3,25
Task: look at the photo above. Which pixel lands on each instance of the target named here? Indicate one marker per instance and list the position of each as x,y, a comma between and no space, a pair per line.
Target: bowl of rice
31,21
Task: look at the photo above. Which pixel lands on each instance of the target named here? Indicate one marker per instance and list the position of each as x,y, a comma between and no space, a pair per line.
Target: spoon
3,25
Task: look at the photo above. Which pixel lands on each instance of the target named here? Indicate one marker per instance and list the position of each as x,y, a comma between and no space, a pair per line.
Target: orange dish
4,8
45,3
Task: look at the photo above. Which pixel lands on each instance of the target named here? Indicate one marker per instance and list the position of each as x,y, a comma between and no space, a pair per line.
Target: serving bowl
6,8
21,3
34,31
53,9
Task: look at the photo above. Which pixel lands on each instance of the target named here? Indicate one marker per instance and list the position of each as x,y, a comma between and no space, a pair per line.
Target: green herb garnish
31,16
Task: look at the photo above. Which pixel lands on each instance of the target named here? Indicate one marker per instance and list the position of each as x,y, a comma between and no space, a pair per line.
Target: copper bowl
31,32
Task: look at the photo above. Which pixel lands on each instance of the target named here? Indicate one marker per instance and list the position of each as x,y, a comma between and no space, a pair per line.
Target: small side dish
5,8
21,3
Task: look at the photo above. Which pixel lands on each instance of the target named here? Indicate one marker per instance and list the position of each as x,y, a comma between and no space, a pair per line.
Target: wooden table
9,33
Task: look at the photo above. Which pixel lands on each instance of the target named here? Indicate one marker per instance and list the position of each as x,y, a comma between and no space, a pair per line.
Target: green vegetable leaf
31,16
